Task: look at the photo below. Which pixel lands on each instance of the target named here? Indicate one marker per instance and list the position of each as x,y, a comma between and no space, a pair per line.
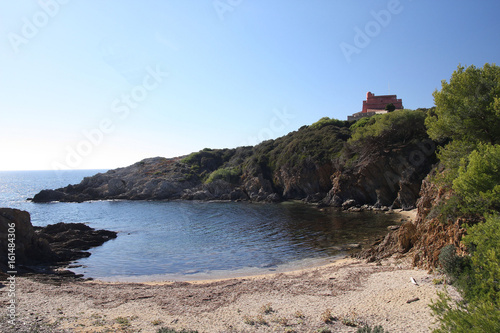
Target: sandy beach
351,291
339,296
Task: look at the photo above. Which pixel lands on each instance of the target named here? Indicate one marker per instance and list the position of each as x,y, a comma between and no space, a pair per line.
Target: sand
340,296
355,293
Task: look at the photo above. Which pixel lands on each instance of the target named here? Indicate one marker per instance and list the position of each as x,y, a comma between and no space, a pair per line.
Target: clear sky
103,84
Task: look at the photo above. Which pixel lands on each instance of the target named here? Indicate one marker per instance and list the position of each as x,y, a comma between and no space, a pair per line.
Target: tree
467,113
478,182
390,107
468,107
467,118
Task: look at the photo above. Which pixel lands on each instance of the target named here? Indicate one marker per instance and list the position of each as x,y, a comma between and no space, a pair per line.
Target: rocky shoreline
47,250
172,179
318,164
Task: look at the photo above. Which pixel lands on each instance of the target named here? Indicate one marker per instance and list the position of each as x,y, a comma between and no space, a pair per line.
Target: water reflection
193,237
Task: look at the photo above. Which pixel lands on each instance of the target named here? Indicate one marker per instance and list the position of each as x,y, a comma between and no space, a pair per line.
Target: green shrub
478,181
364,122
467,120
305,149
483,240
453,265
231,175
325,121
401,125
464,317
480,309
449,210
451,157
368,329
324,330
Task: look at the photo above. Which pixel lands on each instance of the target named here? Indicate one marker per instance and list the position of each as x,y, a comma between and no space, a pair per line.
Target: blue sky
103,84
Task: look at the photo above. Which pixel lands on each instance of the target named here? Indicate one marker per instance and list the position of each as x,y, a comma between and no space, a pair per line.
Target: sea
194,240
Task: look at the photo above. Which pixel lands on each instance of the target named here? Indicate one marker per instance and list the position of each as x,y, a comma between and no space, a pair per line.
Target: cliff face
321,163
432,234
29,248
384,174
423,238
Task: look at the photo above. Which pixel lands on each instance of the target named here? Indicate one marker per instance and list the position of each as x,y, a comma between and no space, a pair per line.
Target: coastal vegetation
302,165
466,121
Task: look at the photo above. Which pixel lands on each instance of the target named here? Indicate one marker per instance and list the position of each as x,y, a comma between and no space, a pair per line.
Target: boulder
49,196
29,248
349,203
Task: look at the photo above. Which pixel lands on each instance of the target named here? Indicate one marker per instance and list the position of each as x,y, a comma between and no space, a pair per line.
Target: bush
230,175
364,122
368,329
478,181
467,120
401,125
451,157
449,210
483,240
325,121
453,265
465,318
480,309
467,113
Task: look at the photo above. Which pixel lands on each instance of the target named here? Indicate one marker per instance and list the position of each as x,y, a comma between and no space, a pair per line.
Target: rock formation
317,164
423,238
29,248
55,244
70,241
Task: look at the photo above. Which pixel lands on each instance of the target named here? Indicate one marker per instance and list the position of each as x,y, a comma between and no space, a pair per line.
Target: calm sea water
191,240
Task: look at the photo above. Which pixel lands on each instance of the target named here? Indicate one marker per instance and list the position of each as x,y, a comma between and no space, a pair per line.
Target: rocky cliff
379,161
29,248
423,238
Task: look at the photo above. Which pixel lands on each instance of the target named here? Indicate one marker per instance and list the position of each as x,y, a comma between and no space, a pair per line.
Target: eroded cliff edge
379,161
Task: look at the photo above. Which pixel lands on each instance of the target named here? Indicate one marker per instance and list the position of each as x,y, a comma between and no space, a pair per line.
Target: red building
378,103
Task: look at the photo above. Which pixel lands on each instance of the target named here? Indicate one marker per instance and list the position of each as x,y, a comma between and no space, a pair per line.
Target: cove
185,240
